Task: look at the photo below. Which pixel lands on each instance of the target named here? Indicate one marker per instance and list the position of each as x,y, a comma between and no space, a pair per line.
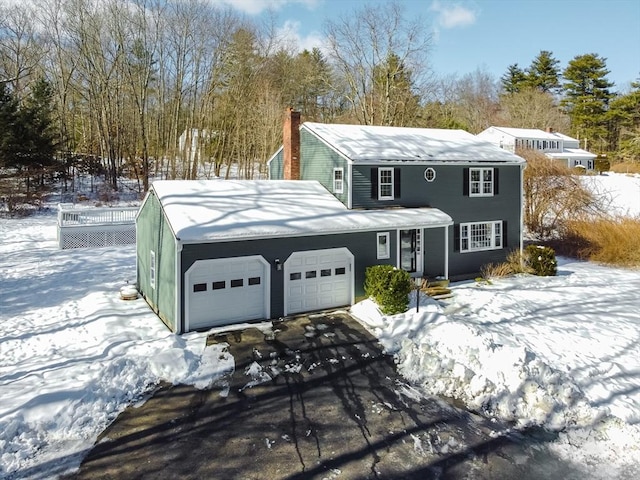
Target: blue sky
489,34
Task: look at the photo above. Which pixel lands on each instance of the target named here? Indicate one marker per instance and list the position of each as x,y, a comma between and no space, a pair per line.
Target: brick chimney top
291,145
549,129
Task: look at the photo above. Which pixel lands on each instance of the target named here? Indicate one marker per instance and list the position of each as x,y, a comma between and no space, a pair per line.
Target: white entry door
318,279
226,290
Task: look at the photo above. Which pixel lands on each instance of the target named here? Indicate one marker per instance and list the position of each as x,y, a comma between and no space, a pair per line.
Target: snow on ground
618,191
561,352
72,353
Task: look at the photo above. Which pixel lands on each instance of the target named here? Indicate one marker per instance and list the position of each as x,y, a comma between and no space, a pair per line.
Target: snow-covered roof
533,133
571,153
222,210
369,144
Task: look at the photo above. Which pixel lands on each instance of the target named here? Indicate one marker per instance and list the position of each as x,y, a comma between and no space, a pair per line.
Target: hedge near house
389,287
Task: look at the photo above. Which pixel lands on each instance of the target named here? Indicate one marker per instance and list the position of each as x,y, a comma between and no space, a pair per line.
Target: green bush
389,287
542,260
602,164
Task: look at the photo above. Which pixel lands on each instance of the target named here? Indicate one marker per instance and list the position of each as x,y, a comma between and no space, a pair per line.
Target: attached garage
226,290
218,252
318,279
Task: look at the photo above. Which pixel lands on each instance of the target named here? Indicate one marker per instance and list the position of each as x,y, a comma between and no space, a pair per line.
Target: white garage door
226,290
318,279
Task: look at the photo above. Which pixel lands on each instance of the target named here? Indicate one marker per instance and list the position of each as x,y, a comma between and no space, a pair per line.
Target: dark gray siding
446,193
362,245
318,162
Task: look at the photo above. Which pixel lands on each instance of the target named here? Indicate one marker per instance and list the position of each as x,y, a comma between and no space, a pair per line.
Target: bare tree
373,50
531,108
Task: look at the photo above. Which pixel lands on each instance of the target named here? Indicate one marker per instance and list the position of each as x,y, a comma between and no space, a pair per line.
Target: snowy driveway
313,397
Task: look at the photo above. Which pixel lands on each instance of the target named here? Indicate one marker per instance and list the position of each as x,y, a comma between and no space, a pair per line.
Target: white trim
482,181
493,246
419,254
338,185
178,289
386,170
446,252
349,183
386,255
429,170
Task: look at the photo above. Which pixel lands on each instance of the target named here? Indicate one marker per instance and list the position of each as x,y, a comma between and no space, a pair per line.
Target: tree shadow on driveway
315,399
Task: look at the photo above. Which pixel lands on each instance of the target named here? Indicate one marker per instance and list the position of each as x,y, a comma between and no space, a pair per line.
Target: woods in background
183,89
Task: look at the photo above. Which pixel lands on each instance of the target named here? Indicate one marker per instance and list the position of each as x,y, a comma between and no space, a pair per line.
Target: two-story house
437,203
555,145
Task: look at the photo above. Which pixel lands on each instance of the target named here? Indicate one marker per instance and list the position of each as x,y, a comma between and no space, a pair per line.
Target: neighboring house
191,142
554,145
442,203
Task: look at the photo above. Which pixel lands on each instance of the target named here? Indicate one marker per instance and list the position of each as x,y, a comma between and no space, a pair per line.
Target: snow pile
534,351
457,360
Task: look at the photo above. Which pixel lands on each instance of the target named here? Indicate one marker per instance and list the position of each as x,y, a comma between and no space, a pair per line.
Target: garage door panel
318,279
223,291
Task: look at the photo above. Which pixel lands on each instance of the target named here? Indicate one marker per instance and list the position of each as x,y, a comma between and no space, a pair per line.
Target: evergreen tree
8,120
514,80
544,72
587,95
624,123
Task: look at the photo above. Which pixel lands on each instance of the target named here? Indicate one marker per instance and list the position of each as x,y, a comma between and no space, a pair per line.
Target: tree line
108,88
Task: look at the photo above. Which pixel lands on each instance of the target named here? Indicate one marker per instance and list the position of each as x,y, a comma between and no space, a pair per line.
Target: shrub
389,287
626,167
611,241
602,164
541,260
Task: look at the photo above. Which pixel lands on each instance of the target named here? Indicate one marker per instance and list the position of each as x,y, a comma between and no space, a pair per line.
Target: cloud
289,34
453,15
255,7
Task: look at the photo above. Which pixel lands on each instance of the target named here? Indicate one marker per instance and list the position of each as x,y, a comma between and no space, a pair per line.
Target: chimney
549,129
291,144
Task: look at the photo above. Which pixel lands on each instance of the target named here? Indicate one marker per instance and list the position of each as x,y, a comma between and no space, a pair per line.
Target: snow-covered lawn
562,352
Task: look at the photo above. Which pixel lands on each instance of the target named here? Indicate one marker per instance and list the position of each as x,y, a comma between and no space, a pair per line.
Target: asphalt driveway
318,399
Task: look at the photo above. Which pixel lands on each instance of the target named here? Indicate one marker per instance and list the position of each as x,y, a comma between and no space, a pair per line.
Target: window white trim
152,269
429,174
481,182
385,183
479,236
338,180
383,247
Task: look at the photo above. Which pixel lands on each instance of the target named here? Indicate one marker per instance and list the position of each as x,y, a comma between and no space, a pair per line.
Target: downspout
349,185
180,327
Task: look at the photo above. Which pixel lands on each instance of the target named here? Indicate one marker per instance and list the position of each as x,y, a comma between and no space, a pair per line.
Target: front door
411,251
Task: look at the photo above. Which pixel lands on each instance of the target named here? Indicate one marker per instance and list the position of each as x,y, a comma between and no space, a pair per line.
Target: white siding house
554,145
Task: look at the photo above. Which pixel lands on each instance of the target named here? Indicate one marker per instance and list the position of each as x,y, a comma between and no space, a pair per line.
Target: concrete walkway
332,407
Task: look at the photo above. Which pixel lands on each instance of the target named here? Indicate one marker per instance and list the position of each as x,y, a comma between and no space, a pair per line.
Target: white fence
95,227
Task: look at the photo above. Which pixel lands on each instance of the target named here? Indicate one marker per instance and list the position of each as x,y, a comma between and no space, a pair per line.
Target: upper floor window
338,180
481,182
429,174
480,236
383,245
385,184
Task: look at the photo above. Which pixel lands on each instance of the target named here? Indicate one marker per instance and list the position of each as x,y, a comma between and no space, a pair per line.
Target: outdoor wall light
278,264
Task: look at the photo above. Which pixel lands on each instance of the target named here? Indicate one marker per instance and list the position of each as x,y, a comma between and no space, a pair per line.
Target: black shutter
465,182
456,238
374,183
504,234
396,182
495,180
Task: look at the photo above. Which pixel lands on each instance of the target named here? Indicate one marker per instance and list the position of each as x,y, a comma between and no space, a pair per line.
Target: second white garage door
318,279
226,290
